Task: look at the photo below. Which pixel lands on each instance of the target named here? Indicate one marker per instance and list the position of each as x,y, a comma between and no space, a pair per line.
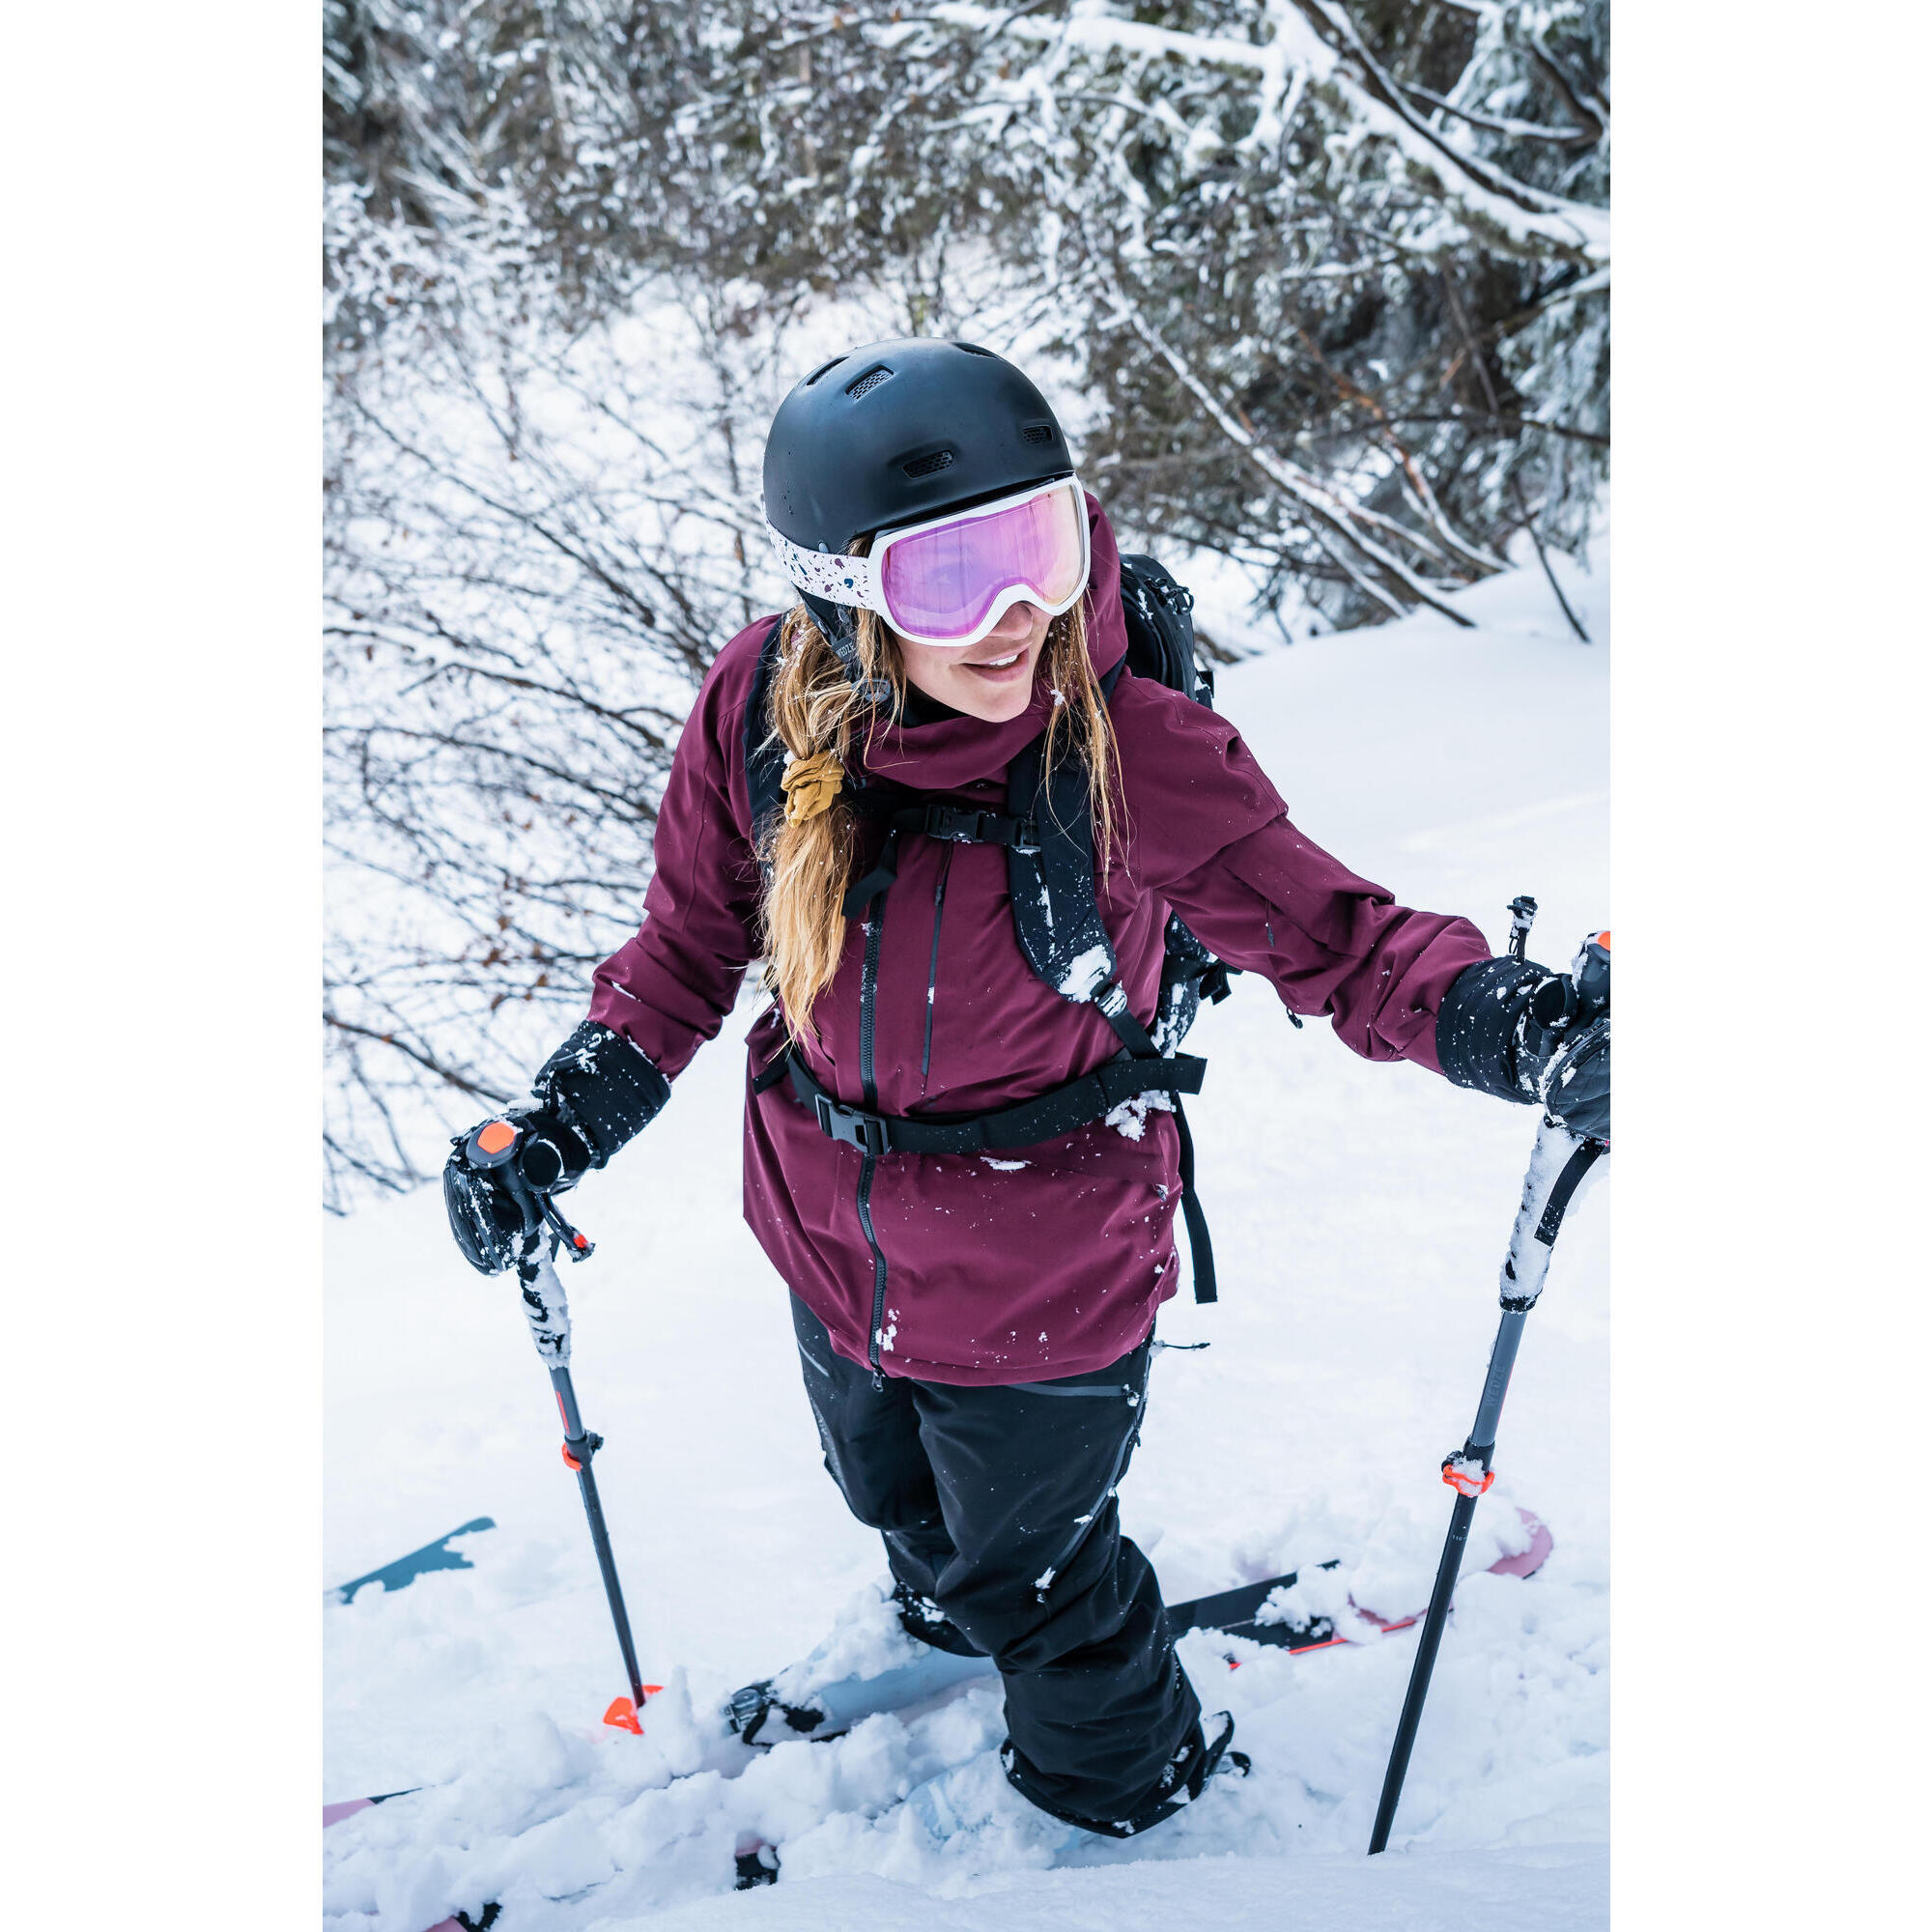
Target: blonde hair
815,707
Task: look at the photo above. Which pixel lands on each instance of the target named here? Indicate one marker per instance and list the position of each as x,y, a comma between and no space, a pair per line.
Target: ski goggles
951,579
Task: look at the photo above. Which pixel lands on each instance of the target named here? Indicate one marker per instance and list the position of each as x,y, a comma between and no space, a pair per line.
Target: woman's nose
1016,623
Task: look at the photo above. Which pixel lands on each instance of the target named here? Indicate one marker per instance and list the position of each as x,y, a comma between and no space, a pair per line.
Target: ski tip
333,1814
463,1922
1526,1562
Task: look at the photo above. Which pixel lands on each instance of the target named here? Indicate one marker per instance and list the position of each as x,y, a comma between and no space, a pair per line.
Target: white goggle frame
855,581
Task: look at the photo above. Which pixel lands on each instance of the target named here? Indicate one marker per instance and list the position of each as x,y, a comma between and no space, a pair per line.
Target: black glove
1514,1029
1576,1080
591,1096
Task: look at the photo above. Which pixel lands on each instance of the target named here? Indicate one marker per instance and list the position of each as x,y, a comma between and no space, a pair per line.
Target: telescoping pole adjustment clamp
1466,1475
578,1450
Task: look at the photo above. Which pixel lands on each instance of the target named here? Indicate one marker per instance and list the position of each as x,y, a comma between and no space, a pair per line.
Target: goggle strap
838,579
871,690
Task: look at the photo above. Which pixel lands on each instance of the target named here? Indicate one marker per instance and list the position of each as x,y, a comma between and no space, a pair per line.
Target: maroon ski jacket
1053,1260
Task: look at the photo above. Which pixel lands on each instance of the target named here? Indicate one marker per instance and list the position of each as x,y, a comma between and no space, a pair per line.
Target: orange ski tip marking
623,1716
496,1137
652,1689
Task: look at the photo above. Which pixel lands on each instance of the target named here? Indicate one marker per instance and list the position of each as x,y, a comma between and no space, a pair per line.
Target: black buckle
963,825
852,1125
748,1708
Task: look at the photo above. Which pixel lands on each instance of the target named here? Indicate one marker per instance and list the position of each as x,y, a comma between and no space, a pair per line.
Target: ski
760,1717
776,1711
405,1570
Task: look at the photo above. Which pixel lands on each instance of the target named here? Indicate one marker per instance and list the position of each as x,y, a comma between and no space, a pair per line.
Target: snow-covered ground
1359,1214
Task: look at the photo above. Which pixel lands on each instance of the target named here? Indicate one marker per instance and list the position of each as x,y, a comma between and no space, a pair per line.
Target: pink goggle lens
942,583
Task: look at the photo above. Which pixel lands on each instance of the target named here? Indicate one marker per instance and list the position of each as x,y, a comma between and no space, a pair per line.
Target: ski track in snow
1360,1214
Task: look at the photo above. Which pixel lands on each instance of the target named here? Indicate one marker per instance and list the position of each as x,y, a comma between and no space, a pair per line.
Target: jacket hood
951,753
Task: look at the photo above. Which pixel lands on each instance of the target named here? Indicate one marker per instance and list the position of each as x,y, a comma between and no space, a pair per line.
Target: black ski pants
997,1503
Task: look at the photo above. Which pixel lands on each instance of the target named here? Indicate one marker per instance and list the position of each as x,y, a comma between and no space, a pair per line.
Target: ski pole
1557,1166
501,1145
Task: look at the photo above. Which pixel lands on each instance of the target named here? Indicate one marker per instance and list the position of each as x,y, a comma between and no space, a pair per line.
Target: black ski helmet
896,431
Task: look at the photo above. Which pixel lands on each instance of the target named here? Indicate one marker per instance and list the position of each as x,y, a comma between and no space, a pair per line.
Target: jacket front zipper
869,1002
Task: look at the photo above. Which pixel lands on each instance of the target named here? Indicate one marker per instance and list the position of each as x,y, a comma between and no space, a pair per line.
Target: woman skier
960,830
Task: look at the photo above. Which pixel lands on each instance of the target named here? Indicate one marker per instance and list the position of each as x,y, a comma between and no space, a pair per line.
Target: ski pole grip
541,1164
531,1166
1592,974
493,1145
497,1147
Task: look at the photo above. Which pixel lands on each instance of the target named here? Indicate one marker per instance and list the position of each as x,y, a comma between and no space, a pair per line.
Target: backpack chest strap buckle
963,825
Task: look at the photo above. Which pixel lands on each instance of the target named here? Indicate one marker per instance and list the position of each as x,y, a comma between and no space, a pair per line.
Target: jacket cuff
602,1086
1479,1027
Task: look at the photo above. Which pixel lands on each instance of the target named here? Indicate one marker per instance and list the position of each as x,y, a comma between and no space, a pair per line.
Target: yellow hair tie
811,784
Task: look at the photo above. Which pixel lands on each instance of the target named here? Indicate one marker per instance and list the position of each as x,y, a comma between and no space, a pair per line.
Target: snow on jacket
1054,1260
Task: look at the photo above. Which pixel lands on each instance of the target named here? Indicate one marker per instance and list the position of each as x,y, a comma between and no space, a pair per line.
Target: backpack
1048,831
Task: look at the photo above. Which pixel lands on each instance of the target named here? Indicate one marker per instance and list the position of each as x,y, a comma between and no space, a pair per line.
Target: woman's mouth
1000,670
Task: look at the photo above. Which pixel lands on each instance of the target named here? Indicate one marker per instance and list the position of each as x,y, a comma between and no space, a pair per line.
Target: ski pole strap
1567,1182
1044,1117
1557,1166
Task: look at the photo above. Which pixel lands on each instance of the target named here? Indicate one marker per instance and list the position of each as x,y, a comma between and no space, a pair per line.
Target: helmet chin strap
840,624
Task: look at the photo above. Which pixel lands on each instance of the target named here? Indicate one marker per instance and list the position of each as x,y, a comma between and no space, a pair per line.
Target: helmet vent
821,370
972,349
868,381
928,466
1037,433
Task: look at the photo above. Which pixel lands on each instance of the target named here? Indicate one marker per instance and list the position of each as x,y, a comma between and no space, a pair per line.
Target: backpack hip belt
1060,1109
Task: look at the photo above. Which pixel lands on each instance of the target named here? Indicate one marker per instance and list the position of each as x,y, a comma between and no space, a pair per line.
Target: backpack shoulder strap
764,754
1055,916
